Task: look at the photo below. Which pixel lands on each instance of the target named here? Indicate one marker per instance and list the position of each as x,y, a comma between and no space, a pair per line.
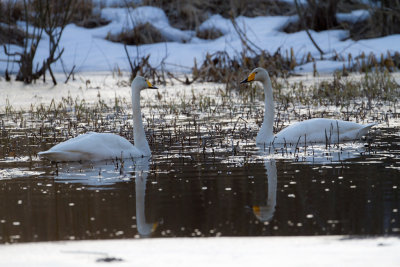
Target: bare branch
299,12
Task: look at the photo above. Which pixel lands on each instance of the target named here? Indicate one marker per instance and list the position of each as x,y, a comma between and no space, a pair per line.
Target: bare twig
300,13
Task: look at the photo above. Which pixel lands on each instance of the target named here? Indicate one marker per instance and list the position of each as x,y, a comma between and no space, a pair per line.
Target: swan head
258,74
140,83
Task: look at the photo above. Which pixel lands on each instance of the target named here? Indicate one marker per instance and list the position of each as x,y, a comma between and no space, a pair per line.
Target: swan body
317,130
101,146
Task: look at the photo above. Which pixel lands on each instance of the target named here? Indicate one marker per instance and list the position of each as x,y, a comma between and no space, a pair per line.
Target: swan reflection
266,212
144,228
105,175
311,155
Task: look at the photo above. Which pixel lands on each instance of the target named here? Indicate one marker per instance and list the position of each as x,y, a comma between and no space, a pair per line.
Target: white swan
100,146
309,131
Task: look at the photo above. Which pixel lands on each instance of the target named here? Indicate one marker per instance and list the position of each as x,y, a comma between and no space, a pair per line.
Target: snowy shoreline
88,50
235,251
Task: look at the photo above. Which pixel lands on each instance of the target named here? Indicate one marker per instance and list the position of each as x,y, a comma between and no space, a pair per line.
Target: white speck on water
49,185
293,182
340,177
16,223
228,189
309,216
2,221
204,188
395,210
326,189
395,187
291,196
71,204
353,186
119,233
19,202
92,218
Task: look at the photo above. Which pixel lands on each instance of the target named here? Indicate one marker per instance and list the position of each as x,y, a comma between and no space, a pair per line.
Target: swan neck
266,131
139,135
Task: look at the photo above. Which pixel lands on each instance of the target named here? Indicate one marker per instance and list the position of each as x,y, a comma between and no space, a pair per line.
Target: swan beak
150,86
256,210
250,78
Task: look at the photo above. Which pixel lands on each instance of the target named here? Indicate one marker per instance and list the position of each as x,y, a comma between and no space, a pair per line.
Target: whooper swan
317,130
100,146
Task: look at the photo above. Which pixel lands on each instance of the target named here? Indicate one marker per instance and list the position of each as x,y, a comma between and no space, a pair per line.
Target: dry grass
141,34
208,34
188,15
383,21
220,67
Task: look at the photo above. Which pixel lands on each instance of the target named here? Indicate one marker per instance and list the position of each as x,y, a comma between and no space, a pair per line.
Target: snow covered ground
242,251
89,51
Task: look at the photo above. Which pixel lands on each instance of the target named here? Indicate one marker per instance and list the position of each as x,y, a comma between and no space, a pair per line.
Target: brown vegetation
212,34
383,20
141,34
49,17
188,15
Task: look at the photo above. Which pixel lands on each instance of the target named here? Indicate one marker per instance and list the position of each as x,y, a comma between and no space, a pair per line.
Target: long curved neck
139,136
265,135
143,227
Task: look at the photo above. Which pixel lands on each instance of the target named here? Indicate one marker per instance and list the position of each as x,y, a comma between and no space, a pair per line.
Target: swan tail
51,155
364,131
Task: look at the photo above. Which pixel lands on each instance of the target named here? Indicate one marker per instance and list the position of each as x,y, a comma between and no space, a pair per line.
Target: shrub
209,33
141,34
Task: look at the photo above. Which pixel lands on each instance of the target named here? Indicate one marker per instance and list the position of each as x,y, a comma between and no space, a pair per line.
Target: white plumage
309,131
101,146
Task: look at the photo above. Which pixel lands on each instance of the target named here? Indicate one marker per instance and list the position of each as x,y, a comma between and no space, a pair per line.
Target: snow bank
88,50
272,251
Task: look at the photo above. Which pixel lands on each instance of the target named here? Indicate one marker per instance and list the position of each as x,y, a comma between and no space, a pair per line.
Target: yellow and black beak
250,78
150,86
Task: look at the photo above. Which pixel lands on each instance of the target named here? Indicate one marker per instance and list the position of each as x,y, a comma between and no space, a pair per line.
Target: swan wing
92,146
322,130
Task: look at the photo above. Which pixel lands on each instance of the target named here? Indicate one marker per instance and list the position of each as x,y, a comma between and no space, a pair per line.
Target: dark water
236,191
